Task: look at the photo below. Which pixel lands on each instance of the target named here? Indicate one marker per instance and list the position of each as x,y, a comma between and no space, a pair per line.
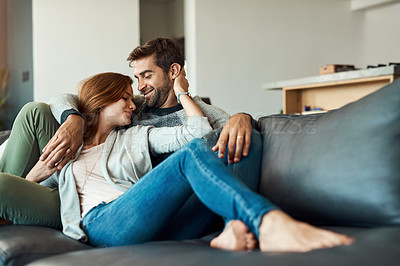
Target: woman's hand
40,172
181,84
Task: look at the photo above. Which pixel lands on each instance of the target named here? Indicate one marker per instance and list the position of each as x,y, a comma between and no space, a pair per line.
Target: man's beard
159,96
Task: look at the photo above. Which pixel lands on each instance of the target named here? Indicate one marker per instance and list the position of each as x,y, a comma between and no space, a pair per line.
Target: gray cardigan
125,159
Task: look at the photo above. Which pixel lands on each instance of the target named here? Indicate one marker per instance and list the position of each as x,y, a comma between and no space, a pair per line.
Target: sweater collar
166,111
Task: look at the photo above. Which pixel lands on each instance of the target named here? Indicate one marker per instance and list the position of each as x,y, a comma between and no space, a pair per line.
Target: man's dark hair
166,50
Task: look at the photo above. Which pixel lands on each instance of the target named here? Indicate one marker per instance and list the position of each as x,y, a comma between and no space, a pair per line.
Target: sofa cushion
377,246
341,167
21,244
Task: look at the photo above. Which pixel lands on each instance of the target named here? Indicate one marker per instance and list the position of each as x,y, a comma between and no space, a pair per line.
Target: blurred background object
3,96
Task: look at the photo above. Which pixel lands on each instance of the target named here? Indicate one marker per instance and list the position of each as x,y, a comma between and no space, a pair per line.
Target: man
154,63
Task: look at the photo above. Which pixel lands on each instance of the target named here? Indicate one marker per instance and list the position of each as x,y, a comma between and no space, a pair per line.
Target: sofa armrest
21,244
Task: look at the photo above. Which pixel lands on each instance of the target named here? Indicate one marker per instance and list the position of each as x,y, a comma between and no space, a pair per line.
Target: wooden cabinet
332,91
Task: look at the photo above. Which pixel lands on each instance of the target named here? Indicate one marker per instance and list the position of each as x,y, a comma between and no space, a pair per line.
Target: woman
100,204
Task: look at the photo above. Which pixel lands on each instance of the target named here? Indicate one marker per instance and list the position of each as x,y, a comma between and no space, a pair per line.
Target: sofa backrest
338,168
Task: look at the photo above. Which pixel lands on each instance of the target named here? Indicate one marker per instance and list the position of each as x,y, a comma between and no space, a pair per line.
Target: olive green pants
22,201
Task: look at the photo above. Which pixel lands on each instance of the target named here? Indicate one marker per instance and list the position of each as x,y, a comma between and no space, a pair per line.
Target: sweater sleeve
170,139
63,105
216,116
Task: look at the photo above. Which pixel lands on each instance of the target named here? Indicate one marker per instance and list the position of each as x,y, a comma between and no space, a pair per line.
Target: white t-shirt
90,183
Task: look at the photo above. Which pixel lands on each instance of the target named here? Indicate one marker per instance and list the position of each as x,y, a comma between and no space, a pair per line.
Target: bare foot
279,232
236,236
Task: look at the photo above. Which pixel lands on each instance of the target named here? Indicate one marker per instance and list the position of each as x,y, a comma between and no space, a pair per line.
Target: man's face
154,84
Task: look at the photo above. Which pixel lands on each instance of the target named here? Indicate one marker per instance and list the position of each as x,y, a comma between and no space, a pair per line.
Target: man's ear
174,71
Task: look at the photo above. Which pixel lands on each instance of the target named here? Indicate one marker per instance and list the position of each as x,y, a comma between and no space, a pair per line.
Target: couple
193,168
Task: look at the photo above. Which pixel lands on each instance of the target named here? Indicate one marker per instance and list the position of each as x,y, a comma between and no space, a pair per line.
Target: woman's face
119,113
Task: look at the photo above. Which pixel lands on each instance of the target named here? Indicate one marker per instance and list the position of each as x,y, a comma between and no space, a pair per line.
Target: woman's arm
181,86
170,139
40,172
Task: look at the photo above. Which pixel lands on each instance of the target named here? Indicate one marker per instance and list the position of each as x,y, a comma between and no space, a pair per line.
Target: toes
349,241
338,239
234,237
214,243
251,244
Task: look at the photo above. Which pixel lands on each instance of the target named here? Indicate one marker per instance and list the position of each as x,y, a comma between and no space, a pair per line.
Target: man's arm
236,131
216,116
63,105
237,134
63,146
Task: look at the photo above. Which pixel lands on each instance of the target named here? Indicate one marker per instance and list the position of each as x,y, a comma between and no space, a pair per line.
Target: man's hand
237,133
63,146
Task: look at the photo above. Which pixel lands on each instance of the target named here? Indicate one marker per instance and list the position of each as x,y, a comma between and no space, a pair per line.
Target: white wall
242,44
190,30
75,39
236,45
380,36
362,4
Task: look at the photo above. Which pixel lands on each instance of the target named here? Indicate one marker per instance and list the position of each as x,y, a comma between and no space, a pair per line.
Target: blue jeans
195,220
140,214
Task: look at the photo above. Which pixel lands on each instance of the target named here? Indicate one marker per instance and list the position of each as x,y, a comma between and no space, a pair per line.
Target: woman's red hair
97,92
